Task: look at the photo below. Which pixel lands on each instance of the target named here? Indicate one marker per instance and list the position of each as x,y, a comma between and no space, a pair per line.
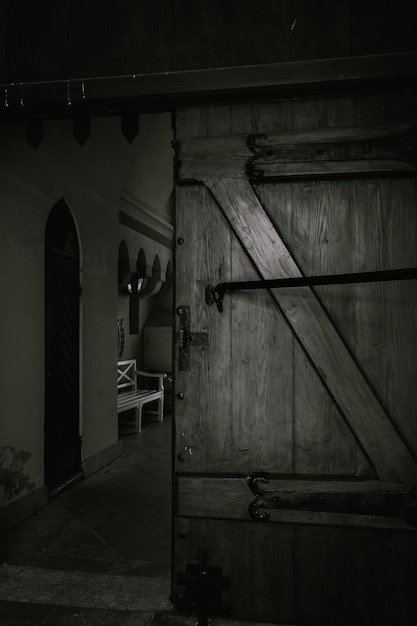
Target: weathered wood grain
361,408
305,565
385,314
223,497
207,23
264,576
203,440
353,573
262,383
166,90
72,39
199,540
306,33
317,220
320,152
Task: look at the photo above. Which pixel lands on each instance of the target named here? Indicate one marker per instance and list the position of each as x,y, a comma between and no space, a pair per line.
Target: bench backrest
126,375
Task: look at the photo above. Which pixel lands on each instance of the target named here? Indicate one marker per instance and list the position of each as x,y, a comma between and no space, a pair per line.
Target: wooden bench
132,396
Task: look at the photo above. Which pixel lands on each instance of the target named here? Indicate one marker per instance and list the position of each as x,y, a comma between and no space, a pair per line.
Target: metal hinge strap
360,498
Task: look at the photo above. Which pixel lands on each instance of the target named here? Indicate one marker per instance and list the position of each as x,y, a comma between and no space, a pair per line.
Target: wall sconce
134,285
133,289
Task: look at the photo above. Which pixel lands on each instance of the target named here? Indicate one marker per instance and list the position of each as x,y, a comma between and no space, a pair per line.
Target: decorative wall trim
102,458
140,227
21,509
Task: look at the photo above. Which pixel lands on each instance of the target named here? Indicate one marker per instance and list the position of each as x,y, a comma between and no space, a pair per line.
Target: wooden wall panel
75,39
388,214
322,442
385,313
328,227
203,443
3,16
85,39
318,30
264,569
381,26
356,574
201,30
114,39
262,384
31,41
143,37
349,570
196,539
299,428
370,560
259,32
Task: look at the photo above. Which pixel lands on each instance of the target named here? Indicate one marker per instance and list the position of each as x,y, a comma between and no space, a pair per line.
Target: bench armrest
159,375
151,374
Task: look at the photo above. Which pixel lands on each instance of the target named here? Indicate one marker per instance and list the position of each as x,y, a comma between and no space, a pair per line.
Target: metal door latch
186,338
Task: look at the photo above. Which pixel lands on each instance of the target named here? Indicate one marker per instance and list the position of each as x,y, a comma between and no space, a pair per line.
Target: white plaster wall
153,163
135,242
146,195
90,179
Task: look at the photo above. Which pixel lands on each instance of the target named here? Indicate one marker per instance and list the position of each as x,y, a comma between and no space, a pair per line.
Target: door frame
63,205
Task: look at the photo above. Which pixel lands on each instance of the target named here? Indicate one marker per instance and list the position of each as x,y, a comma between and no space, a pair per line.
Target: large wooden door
62,296
296,408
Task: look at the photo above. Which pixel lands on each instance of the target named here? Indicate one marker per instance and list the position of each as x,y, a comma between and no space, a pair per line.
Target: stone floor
100,552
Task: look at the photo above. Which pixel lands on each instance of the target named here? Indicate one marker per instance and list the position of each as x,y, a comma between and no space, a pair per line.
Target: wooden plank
316,218
166,90
309,21
386,313
324,572
307,153
196,21
259,33
84,38
300,573
196,540
283,417
298,426
356,575
334,363
263,576
3,31
229,498
262,382
203,441
142,38
377,28
31,41
332,168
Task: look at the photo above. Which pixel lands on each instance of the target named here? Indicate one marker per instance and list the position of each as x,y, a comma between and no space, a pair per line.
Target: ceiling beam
109,95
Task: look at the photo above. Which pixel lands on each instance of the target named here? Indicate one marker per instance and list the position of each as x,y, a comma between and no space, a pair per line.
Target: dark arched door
62,295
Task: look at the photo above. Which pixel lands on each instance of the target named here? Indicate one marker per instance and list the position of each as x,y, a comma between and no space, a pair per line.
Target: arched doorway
62,294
